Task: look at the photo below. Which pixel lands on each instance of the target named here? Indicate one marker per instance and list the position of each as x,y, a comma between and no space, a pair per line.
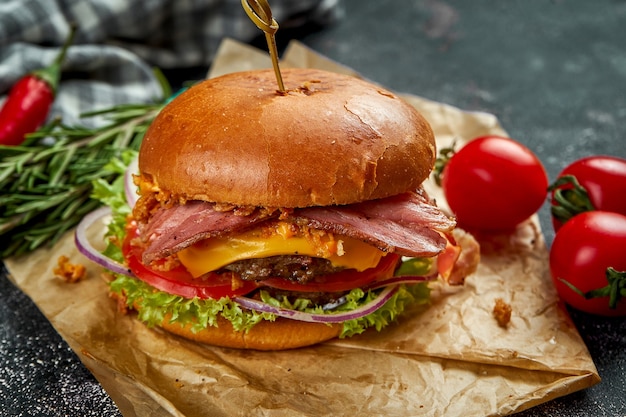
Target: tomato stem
570,201
615,289
442,160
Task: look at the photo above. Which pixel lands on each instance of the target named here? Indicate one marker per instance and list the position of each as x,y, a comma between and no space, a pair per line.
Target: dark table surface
553,72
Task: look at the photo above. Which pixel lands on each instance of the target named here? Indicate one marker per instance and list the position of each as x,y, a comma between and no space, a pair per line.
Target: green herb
46,182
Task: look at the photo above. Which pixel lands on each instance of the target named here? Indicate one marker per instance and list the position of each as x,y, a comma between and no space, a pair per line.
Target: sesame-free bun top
330,139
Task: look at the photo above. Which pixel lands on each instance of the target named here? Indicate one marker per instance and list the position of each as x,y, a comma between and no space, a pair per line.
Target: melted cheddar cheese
212,254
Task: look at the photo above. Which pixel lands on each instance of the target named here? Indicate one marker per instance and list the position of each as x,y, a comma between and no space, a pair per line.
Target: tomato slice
448,258
345,280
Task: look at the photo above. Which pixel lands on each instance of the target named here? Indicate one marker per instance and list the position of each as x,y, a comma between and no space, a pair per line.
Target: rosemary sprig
46,182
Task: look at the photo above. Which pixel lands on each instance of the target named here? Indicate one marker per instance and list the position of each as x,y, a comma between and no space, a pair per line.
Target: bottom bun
266,335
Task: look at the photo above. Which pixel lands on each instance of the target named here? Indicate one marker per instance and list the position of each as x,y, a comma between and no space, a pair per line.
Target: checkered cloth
119,41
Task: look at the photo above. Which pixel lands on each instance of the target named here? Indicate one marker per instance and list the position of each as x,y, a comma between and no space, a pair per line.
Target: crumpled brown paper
451,358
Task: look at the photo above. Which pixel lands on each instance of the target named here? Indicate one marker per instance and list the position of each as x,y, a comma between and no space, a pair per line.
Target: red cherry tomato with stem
588,263
494,183
592,183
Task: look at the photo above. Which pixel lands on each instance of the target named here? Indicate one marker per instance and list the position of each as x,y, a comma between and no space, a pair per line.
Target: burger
271,220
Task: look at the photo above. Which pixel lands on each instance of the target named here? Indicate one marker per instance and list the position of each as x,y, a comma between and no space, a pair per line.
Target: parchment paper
451,358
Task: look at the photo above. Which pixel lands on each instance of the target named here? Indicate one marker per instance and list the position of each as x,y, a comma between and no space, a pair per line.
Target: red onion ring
86,248
364,310
130,189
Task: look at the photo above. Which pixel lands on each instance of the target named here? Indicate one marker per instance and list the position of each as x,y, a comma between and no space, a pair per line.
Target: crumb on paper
502,312
69,272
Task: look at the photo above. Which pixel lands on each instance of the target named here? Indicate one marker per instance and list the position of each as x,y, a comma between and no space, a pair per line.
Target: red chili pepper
29,101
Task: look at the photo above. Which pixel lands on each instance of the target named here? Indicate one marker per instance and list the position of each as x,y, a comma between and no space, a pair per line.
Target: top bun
330,139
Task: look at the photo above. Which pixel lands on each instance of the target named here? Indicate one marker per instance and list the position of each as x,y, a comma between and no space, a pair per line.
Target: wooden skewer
260,13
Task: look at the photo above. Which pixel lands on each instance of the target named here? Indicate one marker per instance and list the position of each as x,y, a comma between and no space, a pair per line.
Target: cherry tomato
602,178
494,183
581,252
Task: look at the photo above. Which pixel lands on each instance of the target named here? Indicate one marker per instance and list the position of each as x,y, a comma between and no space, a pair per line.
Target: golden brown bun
277,335
332,139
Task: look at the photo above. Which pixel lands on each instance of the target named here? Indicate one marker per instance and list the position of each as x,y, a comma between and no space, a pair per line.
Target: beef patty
297,268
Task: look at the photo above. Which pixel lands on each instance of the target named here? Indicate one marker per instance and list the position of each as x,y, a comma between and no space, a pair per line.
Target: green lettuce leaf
112,195
154,306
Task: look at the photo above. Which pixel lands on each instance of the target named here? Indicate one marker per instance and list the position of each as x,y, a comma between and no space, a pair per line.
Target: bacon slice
407,224
410,209
384,233
176,228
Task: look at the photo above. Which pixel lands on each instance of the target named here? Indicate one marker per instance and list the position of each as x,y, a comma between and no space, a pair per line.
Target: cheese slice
212,254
